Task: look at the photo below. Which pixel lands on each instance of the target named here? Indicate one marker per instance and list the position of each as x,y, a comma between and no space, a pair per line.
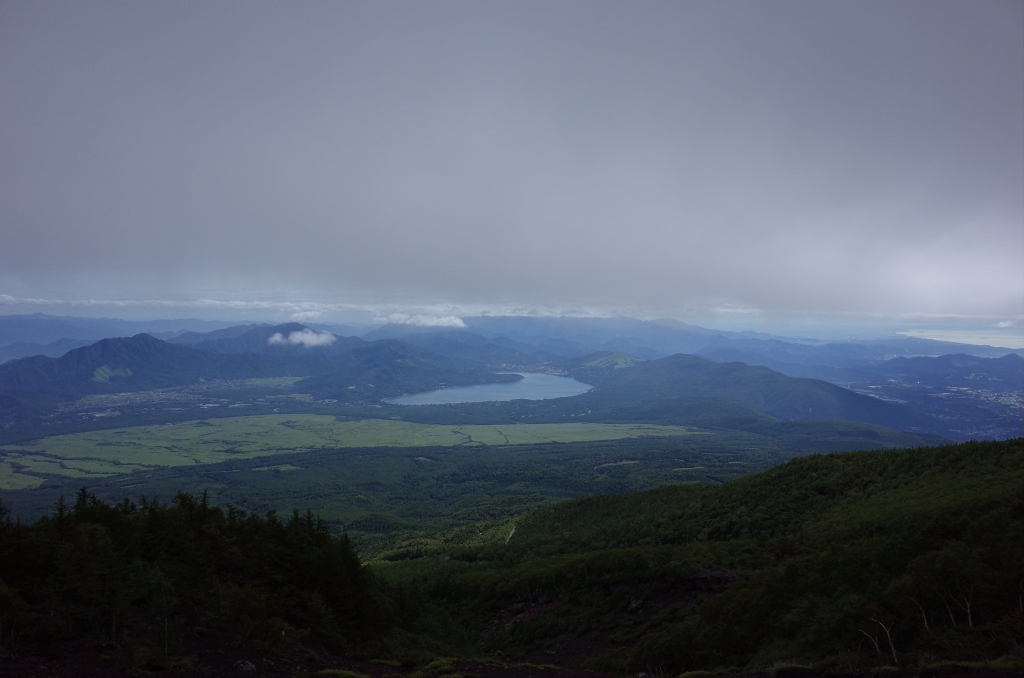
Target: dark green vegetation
119,451
841,562
389,496
137,574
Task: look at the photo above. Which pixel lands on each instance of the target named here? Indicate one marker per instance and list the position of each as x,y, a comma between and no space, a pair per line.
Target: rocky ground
214,654
209,659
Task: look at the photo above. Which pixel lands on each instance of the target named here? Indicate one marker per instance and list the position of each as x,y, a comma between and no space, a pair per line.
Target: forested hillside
840,563
139,574
686,378
347,369
836,561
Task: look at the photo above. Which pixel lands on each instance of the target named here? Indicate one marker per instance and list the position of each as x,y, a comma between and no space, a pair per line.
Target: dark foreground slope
855,563
840,562
138,576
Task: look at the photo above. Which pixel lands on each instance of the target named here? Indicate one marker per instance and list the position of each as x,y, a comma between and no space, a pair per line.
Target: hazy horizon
1006,334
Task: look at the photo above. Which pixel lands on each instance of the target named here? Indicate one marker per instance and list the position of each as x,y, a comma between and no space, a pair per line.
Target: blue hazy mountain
692,378
374,370
193,338
54,349
974,392
130,364
39,328
291,339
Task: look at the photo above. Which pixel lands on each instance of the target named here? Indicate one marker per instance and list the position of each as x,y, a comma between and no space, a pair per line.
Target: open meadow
100,454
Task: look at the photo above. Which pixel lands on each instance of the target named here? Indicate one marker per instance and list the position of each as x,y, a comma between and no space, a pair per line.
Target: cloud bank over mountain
307,338
420,320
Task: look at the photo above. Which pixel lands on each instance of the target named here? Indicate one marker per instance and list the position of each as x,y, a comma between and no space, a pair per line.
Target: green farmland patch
116,451
12,479
104,373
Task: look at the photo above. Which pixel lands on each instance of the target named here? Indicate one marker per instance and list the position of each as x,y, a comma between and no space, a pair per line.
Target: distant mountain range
40,334
973,393
54,349
339,367
692,378
956,370
289,339
130,364
39,328
562,336
547,338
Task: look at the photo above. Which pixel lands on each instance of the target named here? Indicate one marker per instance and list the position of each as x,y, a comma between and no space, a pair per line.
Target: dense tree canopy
118,572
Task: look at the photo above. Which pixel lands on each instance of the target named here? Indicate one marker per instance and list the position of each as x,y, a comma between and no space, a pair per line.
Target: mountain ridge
690,377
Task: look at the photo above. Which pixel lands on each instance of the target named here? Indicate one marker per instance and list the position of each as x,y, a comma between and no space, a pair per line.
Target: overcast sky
670,158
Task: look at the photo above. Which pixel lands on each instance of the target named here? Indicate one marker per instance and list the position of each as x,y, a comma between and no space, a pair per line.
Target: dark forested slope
373,370
843,563
689,377
129,364
133,575
837,561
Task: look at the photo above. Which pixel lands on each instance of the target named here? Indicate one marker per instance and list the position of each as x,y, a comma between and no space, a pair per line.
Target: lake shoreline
532,386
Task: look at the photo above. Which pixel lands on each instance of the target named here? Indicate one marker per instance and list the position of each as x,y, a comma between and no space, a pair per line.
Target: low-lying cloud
306,338
426,320
426,314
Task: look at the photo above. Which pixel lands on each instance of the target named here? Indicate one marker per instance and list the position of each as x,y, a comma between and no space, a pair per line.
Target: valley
455,339
626,513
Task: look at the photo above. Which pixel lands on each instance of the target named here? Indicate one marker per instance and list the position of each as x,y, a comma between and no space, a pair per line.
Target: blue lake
532,386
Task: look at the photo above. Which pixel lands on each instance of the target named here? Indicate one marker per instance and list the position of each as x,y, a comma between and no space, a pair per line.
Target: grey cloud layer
800,156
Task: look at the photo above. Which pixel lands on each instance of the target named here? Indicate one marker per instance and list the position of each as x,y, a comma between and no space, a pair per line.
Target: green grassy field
391,498
105,453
